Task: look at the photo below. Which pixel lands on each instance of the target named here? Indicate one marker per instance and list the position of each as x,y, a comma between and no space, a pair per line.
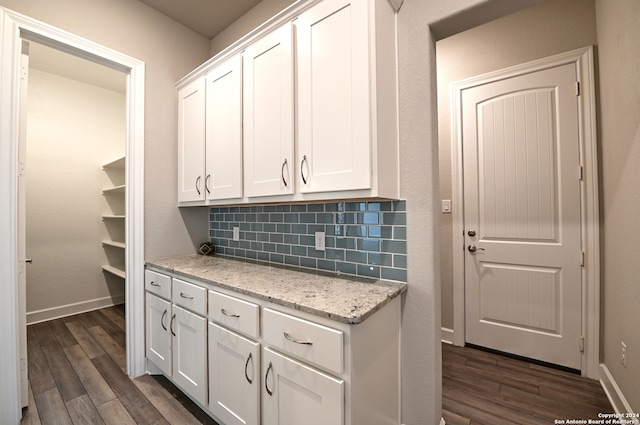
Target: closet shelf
116,271
114,244
115,189
118,163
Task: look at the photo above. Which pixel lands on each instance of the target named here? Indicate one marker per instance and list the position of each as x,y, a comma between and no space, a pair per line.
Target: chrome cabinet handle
286,335
226,313
249,380
206,183
304,159
187,296
266,382
162,319
171,325
152,283
198,184
473,248
284,164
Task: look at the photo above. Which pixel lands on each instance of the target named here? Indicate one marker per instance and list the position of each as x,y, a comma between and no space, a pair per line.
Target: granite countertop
345,299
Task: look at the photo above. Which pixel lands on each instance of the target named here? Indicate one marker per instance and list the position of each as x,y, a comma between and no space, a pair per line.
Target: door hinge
577,88
580,172
581,344
582,258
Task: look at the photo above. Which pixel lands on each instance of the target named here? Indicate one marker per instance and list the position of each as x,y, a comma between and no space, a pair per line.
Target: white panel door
296,394
158,336
191,141
224,131
190,353
268,115
522,216
234,378
334,122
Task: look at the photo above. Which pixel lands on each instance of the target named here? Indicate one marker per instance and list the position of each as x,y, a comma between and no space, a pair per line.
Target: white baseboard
446,335
614,393
70,309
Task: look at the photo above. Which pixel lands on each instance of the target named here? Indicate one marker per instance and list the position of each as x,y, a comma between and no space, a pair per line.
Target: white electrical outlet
320,241
236,234
623,353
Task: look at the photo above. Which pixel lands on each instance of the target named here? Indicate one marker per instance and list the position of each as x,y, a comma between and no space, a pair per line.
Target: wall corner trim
614,393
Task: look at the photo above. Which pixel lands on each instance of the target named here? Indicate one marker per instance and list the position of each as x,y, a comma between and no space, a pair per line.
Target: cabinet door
191,141
296,394
268,115
234,378
158,338
224,131
190,353
334,122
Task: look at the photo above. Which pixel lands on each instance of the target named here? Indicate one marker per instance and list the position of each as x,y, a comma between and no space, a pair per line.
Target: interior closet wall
73,128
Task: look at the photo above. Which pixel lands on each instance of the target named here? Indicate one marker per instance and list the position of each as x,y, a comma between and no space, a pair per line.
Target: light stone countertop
346,299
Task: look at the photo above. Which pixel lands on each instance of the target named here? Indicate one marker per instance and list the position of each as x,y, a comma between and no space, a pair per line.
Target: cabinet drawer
158,284
306,340
234,313
190,296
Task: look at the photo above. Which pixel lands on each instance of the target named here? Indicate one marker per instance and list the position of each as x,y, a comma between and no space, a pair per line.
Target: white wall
72,129
619,128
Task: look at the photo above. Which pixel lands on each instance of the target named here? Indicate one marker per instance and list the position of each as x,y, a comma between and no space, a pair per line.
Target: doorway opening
540,31
17,28
75,184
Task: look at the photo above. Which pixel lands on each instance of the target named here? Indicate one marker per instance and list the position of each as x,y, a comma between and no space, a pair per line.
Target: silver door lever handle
473,248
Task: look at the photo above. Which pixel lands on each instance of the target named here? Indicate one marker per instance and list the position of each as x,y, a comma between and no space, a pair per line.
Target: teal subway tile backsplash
362,238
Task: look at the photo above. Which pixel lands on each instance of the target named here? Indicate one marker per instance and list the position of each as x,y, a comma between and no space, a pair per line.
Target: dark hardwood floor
482,388
76,376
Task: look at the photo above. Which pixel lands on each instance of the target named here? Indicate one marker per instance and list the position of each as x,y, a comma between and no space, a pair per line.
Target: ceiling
206,17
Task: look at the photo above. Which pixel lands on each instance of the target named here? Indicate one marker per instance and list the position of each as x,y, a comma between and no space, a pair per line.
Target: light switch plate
446,206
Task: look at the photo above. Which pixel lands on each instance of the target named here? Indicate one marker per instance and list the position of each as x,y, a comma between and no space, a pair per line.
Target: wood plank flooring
76,376
482,388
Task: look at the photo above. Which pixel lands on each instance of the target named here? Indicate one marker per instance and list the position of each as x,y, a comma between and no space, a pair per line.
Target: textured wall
619,131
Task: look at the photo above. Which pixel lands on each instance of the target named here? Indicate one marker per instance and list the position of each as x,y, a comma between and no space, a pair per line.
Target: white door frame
584,61
13,28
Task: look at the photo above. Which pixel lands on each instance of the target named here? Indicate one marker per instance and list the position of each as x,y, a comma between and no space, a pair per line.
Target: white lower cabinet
189,333
234,377
295,393
158,316
256,363
176,338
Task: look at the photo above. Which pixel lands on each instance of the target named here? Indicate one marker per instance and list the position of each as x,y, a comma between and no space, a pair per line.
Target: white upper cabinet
309,102
346,98
224,131
191,141
268,115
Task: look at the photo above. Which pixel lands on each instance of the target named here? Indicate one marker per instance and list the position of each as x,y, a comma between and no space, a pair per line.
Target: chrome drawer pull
286,335
152,283
223,311
187,296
